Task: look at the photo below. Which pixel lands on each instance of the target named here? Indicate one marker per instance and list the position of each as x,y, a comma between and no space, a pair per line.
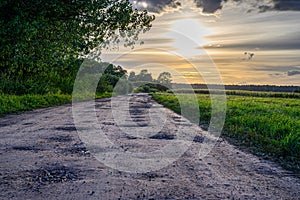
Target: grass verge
268,127
15,104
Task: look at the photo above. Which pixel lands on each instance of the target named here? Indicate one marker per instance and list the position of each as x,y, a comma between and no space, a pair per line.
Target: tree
123,87
144,76
164,78
116,71
132,76
43,40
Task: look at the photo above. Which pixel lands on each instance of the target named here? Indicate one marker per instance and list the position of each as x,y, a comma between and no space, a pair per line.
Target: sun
188,37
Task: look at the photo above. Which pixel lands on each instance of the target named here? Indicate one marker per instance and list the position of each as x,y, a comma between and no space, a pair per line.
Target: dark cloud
293,72
209,6
286,73
286,5
155,5
277,69
276,75
277,5
282,42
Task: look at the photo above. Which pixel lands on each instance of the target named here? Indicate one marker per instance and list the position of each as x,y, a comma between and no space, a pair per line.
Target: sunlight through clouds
188,35
267,28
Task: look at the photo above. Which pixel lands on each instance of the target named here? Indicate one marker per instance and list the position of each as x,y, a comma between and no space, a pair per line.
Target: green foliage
144,76
269,126
110,76
165,79
145,83
14,104
42,41
97,78
132,77
150,87
123,87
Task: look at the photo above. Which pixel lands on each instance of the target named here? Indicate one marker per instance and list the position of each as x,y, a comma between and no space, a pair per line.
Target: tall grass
269,127
15,104
18,103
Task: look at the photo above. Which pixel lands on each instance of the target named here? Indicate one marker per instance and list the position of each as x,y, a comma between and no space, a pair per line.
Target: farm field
294,95
268,127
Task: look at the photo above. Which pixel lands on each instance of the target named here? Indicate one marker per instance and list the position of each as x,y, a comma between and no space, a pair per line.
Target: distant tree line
164,78
144,82
262,88
116,79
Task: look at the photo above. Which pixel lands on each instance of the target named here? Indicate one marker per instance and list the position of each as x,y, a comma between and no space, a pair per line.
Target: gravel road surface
43,157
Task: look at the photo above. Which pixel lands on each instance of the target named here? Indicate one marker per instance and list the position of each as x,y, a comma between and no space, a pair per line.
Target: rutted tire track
42,157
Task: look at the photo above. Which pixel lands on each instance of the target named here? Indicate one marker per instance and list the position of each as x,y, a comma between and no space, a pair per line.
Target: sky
218,41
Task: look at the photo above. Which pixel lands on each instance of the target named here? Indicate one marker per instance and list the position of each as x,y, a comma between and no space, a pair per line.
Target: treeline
115,79
258,88
244,93
144,82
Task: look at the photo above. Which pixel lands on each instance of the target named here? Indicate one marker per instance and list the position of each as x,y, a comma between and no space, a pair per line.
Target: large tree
165,78
43,39
144,76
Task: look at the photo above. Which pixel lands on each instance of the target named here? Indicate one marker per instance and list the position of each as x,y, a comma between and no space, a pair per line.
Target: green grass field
19,103
269,127
294,95
16,104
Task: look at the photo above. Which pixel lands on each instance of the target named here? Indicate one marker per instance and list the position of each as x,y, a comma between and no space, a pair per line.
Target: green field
15,104
295,95
19,103
268,127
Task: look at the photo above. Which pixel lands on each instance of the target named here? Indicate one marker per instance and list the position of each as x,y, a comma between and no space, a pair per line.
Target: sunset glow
188,36
247,45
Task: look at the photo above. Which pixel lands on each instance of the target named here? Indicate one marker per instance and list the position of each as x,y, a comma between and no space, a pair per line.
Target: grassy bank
15,104
269,127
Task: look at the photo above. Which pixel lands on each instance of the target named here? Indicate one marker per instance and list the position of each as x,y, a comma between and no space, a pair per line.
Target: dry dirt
42,157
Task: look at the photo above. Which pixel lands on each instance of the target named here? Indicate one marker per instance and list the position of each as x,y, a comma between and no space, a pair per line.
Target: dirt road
43,157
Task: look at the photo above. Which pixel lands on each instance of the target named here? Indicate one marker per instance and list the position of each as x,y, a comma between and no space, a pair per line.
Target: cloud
290,41
293,72
155,6
284,5
288,73
277,75
209,6
280,71
277,69
277,5
262,5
